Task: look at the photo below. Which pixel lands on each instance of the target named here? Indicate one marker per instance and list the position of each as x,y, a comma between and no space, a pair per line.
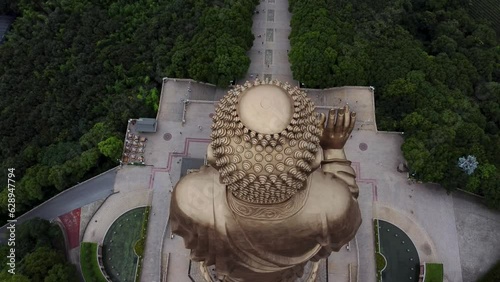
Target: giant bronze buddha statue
278,191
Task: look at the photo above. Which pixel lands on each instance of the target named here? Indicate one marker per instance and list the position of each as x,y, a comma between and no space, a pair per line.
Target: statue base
313,272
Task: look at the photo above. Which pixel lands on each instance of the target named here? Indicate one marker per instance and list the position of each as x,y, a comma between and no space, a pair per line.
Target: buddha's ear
210,156
318,158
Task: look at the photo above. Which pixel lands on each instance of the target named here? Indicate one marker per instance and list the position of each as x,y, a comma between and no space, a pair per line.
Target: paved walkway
340,264
269,53
131,191
151,266
478,228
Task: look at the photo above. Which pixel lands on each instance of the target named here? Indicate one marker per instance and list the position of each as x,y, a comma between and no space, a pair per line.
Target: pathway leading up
269,53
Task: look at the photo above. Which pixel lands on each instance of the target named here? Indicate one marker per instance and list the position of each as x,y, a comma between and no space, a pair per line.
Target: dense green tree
435,70
61,273
8,277
39,254
37,264
36,233
111,147
84,68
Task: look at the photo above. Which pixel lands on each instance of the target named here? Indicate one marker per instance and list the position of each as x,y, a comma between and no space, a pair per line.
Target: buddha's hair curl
264,168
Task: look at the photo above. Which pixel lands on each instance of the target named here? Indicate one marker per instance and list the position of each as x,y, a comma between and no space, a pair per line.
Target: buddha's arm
341,216
335,162
190,213
339,125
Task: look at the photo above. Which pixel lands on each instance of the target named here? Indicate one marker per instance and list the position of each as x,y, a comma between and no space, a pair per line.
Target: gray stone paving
269,57
270,15
339,264
478,228
272,24
151,266
269,35
86,214
131,191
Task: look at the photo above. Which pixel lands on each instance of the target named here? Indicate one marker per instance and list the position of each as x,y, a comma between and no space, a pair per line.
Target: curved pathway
425,246
131,191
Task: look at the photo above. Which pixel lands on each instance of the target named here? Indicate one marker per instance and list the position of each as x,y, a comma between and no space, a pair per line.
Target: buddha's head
265,141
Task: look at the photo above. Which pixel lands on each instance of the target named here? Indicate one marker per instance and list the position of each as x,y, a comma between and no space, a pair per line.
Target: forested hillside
436,72
486,10
73,72
39,255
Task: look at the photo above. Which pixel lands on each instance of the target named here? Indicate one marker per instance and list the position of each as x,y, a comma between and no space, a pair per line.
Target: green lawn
119,257
140,244
381,263
378,262
88,261
433,272
402,257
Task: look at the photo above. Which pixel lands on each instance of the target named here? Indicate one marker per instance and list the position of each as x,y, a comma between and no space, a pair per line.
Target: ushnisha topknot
265,168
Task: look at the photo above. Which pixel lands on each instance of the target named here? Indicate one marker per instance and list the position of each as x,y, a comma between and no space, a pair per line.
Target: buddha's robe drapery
266,243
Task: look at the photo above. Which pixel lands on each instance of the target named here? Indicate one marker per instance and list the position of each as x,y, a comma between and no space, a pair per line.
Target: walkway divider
165,273
93,214
161,249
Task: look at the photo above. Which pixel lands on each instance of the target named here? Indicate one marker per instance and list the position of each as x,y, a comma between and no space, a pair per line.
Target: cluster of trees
217,51
40,255
486,9
73,72
436,71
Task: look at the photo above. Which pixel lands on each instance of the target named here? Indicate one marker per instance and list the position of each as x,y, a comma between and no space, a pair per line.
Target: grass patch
119,258
139,246
378,256
88,261
377,235
381,263
433,272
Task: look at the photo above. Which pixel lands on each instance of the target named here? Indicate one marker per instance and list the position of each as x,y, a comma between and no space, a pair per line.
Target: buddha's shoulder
194,193
329,194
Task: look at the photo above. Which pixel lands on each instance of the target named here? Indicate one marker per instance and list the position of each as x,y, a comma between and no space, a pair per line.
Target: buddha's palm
338,128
